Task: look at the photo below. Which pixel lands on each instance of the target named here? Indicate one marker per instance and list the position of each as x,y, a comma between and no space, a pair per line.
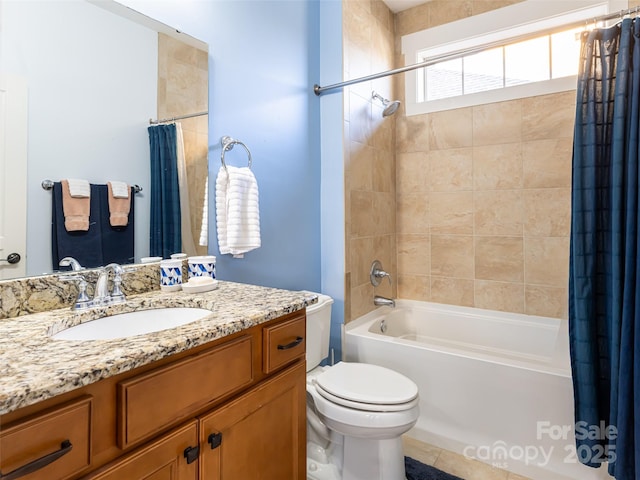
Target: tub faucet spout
383,301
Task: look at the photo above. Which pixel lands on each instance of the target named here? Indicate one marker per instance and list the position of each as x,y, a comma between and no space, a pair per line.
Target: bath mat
419,471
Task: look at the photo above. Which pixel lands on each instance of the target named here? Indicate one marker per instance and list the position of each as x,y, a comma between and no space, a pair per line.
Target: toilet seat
367,387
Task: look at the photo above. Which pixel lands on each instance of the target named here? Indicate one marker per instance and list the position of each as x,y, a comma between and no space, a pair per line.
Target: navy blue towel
101,244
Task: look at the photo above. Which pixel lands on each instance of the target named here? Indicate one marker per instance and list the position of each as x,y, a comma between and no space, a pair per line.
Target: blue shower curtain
604,288
165,236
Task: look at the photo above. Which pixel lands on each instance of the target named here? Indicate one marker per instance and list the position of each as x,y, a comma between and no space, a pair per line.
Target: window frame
494,26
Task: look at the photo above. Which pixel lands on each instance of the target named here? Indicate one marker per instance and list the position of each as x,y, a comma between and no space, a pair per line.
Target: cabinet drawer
283,343
149,402
54,444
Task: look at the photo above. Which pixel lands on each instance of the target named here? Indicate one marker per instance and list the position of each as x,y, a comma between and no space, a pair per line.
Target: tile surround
482,194
370,170
497,196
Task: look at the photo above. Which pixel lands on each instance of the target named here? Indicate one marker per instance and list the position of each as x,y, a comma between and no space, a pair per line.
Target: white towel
237,211
204,228
79,188
119,189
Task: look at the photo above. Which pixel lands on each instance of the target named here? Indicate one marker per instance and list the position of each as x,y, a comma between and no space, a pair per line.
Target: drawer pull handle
295,343
215,439
191,454
65,447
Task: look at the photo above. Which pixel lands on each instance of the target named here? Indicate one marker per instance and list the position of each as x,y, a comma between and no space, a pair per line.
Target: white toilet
356,412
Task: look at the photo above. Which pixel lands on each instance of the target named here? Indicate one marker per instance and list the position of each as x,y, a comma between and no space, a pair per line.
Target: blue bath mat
419,471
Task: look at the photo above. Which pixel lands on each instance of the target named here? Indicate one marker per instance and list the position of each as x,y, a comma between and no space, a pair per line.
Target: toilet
356,412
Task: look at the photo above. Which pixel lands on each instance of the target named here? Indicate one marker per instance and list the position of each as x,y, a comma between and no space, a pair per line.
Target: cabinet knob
215,439
191,454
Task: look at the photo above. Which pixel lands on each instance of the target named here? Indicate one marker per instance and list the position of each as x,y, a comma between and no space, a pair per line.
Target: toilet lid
365,383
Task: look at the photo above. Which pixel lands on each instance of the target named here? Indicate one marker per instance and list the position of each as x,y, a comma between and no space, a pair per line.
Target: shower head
390,107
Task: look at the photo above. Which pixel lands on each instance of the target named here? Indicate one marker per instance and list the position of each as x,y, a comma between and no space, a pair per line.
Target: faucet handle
377,273
117,296
82,300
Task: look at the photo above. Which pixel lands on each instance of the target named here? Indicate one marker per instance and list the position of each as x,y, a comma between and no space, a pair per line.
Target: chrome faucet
101,294
72,262
384,301
376,274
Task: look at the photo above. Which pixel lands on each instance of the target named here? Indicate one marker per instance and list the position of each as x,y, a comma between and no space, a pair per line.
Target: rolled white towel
119,189
79,188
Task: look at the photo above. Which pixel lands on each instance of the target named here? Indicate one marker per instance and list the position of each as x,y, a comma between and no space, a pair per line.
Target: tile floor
454,463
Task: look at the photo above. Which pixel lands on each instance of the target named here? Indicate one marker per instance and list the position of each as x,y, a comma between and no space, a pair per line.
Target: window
508,68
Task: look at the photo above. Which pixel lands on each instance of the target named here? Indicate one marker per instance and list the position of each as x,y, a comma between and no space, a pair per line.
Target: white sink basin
133,323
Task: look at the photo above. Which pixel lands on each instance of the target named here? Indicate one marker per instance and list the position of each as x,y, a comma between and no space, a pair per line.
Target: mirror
96,73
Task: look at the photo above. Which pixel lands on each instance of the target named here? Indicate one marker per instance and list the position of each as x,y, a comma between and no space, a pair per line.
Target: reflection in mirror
96,73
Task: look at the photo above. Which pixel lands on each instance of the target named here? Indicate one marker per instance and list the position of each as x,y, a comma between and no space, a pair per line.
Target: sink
129,324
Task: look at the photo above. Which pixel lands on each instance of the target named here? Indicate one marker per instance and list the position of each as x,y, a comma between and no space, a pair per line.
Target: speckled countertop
34,367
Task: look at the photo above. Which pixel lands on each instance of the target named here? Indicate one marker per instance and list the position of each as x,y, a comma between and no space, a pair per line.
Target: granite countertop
34,367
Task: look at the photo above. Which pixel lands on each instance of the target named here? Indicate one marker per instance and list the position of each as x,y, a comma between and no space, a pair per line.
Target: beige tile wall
370,154
183,83
483,194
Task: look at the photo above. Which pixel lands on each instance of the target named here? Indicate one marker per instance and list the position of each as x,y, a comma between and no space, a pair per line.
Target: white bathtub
493,386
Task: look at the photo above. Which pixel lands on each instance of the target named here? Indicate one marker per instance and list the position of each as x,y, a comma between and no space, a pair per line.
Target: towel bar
227,144
48,185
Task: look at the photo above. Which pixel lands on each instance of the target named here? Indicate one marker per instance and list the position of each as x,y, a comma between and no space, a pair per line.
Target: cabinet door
162,459
259,436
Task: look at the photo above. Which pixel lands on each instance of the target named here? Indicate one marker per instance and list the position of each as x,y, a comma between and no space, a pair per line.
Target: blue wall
264,60
265,56
332,168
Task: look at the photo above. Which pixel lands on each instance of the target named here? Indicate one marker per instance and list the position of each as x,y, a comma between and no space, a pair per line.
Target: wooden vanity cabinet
232,409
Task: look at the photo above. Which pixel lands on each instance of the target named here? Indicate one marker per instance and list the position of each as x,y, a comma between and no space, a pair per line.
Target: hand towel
79,188
204,228
75,209
118,207
119,189
237,211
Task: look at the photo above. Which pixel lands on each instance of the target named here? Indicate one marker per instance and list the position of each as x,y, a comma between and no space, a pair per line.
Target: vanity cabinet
234,408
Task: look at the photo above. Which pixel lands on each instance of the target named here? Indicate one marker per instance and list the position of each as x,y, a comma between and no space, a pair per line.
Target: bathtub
494,386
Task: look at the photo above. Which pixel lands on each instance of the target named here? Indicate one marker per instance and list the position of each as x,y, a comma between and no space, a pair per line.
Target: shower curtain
604,288
165,219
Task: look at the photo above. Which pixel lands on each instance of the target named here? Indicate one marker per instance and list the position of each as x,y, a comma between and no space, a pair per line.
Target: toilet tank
318,330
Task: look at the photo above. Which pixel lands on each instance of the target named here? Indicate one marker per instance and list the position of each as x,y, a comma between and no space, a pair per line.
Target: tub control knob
377,273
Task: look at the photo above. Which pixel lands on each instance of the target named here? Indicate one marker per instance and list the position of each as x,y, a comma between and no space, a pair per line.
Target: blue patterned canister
202,266
170,275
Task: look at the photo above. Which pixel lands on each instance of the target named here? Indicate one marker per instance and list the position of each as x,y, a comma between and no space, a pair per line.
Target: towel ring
227,144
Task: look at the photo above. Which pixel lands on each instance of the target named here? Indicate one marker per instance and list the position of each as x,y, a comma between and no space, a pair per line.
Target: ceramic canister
170,275
202,266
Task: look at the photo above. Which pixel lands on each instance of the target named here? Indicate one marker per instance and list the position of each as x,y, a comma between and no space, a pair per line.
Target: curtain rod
318,90
180,117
